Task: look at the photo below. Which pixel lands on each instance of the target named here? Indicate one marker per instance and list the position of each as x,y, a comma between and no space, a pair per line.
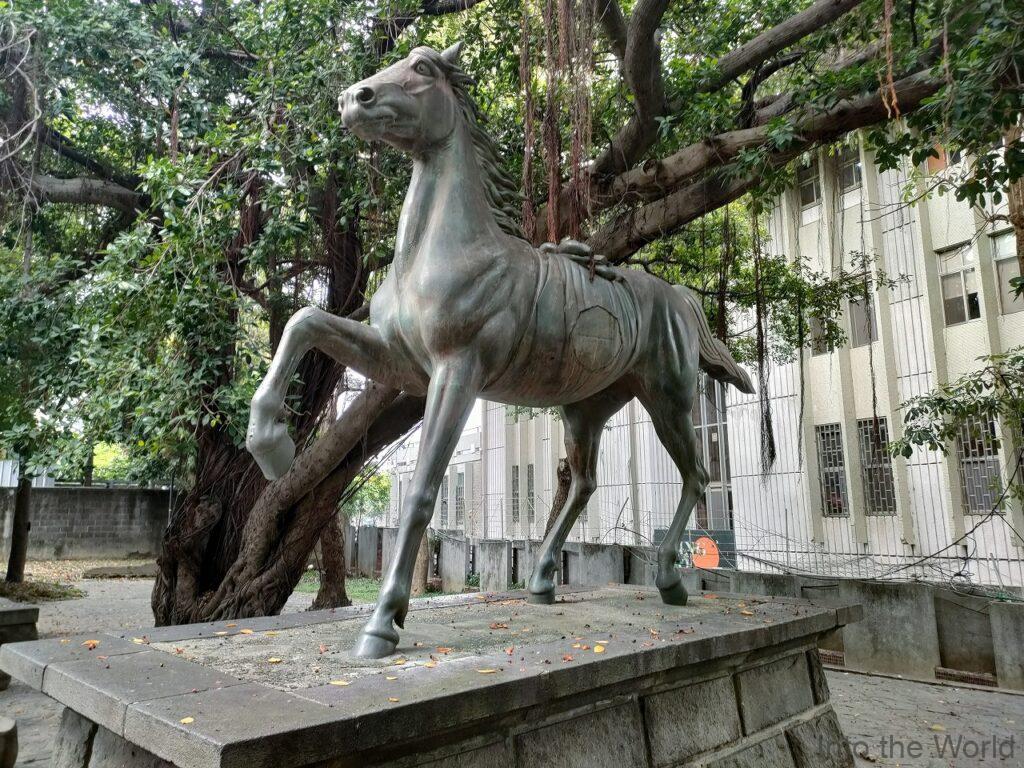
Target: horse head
411,105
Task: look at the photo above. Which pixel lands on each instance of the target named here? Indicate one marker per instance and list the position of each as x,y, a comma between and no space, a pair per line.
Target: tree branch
632,229
85,191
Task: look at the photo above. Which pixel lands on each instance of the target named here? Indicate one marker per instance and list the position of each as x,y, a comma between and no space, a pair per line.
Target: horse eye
422,68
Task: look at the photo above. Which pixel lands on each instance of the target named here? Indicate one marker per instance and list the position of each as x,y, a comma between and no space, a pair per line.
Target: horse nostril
365,95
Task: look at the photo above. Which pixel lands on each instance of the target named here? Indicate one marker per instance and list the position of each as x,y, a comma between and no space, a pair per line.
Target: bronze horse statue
471,309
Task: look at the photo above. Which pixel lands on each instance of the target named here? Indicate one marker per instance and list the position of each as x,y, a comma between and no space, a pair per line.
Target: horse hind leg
584,422
674,427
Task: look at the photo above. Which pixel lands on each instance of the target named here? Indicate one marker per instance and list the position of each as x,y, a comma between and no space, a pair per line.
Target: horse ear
451,53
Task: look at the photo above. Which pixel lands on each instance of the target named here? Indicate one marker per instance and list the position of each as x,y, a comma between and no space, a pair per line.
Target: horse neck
446,205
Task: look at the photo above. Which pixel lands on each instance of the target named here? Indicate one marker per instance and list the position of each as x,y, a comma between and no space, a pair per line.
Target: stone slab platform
17,623
604,677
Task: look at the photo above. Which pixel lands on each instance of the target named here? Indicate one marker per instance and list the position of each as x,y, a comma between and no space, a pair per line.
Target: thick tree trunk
332,592
20,527
283,525
421,569
564,476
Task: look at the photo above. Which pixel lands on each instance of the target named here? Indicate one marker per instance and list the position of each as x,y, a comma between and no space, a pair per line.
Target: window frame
834,432
999,259
988,459
966,264
872,324
813,180
877,475
849,157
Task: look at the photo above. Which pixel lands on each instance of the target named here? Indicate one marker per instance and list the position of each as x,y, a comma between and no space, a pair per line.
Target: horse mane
503,196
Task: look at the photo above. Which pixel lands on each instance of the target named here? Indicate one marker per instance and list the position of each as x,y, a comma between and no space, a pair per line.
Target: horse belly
584,337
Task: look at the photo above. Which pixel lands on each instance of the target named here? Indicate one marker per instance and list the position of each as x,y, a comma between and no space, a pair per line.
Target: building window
1004,249
959,283
876,467
849,168
713,510
863,329
808,184
460,500
981,484
530,496
819,340
831,470
515,493
444,501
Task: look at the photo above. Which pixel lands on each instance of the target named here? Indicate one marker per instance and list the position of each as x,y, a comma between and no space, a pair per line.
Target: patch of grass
360,590
38,591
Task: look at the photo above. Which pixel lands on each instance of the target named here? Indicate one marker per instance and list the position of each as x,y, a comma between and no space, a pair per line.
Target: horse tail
715,358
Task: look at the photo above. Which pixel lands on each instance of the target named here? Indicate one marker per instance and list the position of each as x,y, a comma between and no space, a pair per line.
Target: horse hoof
371,646
674,595
541,598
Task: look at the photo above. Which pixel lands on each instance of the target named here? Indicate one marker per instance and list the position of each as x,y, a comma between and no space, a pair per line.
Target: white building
834,502
458,500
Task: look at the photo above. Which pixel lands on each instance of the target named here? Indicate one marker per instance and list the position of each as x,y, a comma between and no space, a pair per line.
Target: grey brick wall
73,523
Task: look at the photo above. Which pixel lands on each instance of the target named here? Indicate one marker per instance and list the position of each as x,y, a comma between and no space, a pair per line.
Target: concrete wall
367,550
89,522
453,562
494,564
388,539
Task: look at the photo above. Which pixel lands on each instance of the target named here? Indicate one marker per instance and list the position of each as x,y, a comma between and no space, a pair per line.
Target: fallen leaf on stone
393,699
710,596
340,682
220,633
400,662
586,648
577,645
179,650
938,728
498,625
323,648
443,649
430,664
231,625
140,640
270,633
566,657
510,650
64,640
487,671
273,660
245,631
187,720
598,649
91,644
746,613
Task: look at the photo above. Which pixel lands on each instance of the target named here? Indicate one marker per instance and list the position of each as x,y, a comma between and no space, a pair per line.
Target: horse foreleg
450,397
356,345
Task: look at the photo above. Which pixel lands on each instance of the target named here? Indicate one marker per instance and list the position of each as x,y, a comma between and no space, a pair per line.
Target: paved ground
890,722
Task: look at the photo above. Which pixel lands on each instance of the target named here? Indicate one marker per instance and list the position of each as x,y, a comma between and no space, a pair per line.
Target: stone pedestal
604,678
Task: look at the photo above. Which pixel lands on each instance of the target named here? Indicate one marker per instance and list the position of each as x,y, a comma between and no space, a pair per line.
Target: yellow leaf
340,682
598,649
487,671
91,644
391,677
273,660
393,699
270,633
400,662
220,633
139,640
231,625
430,664
245,631
746,613
938,728
187,720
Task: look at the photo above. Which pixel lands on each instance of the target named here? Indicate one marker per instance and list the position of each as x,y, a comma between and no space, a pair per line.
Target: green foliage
370,501
992,394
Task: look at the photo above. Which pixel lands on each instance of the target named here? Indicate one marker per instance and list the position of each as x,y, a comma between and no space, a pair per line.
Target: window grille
981,482
530,496
460,500
876,467
444,501
831,470
515,493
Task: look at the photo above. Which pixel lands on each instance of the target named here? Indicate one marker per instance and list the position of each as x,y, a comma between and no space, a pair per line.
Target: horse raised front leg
450,397
354,344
